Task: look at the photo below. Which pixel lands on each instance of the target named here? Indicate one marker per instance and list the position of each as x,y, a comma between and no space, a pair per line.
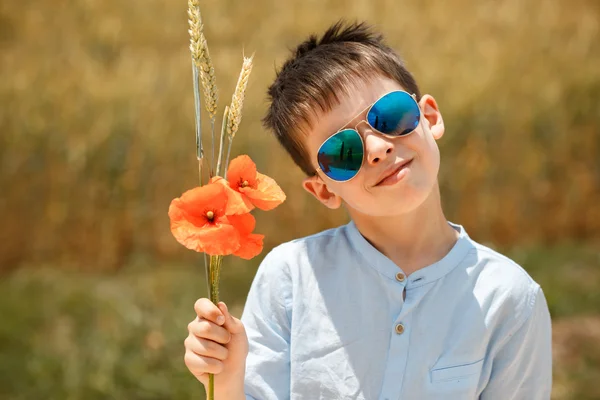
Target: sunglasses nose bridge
368,126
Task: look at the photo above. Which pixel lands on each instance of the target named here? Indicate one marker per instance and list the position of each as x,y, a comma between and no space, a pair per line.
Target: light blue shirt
326,319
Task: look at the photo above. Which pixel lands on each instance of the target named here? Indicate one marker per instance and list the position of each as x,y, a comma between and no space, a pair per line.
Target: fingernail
220,319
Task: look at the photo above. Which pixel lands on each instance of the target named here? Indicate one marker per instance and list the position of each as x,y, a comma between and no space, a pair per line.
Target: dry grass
576,354
97,117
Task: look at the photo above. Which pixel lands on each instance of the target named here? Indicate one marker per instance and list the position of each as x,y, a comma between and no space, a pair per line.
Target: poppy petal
219,239
267,195
195,201
244,223
213,239
178,215
237,203
250,247
241,169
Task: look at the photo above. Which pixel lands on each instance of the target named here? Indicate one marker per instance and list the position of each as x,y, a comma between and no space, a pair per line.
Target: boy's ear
432,116
315,186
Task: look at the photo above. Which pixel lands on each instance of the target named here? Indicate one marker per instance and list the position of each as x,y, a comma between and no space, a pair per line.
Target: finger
204,329
199,365
206,309
232,324
205,347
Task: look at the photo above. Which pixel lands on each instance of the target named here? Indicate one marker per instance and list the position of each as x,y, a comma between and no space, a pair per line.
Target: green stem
207,271
212,157
199,148
222,142
228,154
214,274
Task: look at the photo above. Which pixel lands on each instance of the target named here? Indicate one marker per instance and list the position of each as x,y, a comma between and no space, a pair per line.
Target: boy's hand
217,344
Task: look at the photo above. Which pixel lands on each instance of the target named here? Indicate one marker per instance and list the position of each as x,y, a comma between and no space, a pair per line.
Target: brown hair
317,70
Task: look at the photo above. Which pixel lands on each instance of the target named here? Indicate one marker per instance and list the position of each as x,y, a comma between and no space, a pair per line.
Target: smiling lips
394,174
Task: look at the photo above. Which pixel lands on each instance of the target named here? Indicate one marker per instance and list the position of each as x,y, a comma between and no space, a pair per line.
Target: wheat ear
211,95
209,80
234,116
237,100
195,31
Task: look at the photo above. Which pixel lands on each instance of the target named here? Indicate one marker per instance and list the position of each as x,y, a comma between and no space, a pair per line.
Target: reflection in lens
396,113
341,156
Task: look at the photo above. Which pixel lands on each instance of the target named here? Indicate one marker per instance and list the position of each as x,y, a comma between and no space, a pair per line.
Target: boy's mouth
390,174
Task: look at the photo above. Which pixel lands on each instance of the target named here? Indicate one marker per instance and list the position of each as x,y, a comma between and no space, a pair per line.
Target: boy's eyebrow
353,118
356,116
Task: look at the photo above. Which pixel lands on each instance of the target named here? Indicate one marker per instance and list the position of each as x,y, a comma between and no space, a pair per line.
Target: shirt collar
388,268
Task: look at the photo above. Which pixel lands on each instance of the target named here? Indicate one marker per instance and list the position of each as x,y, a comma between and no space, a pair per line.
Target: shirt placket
399,343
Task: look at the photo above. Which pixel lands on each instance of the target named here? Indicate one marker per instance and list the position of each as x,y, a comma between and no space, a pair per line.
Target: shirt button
400,277
399,329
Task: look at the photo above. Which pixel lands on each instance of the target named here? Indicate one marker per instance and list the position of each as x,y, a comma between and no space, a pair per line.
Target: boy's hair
320,68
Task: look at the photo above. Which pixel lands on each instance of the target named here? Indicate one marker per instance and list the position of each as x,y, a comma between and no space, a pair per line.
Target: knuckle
198,306
203,329
188,359
207,345
215,350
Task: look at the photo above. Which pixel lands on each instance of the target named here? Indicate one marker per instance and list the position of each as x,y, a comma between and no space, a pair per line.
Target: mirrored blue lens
396,113
341,156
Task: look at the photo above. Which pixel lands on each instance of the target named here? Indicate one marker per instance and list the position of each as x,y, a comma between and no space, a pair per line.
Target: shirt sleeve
266,317
522,366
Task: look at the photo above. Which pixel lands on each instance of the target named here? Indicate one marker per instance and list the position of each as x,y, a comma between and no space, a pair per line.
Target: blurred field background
97,137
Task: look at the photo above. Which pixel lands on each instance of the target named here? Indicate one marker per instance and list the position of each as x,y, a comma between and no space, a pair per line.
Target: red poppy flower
256,189
199,221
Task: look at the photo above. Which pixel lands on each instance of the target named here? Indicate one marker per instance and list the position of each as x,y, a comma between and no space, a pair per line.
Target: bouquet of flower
215,218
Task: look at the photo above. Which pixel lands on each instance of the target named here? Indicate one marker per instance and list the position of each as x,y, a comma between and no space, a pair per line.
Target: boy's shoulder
332,240
500,282
498,266
291,259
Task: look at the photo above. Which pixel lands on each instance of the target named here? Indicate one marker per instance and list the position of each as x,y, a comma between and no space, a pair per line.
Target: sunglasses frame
368,110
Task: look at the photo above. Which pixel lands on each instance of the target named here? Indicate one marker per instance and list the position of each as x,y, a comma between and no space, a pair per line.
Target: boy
397,304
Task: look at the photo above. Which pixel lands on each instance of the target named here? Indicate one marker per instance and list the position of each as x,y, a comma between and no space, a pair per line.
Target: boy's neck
413,240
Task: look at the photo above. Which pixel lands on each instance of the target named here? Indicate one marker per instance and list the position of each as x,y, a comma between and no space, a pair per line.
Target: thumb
232,324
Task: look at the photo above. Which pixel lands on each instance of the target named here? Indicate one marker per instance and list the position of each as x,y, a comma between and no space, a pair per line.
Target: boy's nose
377,147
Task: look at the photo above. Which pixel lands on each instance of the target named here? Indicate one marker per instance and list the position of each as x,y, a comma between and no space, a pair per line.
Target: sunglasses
395,114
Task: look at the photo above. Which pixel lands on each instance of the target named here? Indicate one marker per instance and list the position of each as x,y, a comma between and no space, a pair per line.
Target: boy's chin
392,202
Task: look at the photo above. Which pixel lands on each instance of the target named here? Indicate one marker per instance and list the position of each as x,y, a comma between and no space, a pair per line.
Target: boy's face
365,193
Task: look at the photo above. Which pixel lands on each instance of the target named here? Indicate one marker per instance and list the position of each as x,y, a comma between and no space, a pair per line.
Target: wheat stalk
195,31
206,71
211,96
222,142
